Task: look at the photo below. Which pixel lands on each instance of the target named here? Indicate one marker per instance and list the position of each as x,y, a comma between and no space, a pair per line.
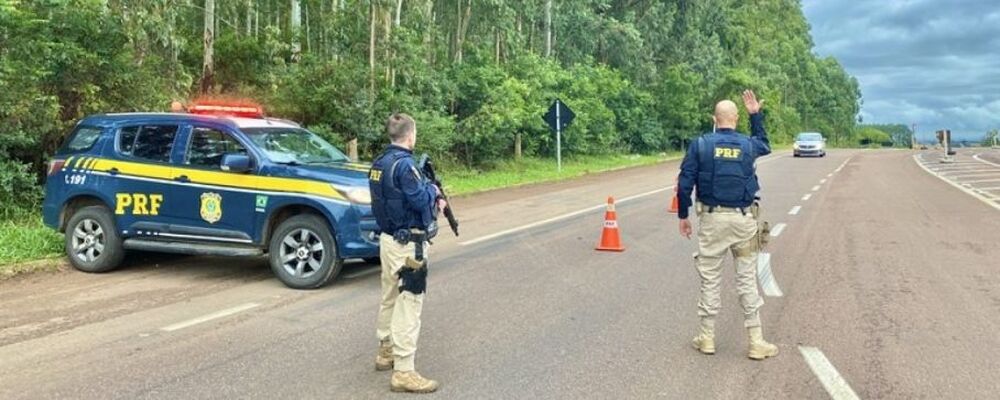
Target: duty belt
415,236
721,209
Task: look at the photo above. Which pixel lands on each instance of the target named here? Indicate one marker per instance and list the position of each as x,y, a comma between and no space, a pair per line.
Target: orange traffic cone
674,203
610,238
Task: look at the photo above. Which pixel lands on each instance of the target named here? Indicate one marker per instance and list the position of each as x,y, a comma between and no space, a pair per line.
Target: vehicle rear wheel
92,241
303,252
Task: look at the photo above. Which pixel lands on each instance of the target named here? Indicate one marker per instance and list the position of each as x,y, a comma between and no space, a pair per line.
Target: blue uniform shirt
404,201
732,156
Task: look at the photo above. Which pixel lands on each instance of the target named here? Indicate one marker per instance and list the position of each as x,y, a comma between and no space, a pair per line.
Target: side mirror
235,163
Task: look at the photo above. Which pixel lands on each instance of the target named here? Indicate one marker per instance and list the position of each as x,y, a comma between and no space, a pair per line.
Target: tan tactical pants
718,232
399,313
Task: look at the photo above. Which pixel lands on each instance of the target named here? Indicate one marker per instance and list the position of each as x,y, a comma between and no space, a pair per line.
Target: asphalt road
887,274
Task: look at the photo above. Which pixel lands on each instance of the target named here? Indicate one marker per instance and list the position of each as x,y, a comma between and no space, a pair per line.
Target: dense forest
477,75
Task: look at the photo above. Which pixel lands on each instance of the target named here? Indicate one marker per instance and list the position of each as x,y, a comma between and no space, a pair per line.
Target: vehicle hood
809,142
343,174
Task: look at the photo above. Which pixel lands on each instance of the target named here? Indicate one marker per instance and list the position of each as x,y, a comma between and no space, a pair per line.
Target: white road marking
990,189
807,196
822,181
559,218
982,181
959,187
777,229
580,212
992,173
205,318
984,161
834,384
815,188
829,175
795,210
767,282
959,168
842,165
956,165
363,272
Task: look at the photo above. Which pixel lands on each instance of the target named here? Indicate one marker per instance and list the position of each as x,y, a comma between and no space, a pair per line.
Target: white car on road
809,144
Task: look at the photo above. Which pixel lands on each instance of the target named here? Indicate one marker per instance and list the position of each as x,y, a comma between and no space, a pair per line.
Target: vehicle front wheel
303,252
92,241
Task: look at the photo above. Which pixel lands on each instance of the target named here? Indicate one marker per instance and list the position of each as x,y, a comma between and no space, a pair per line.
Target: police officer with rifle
720,165
405,203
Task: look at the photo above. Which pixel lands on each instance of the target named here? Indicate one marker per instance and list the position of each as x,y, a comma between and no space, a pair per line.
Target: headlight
795,146
356,195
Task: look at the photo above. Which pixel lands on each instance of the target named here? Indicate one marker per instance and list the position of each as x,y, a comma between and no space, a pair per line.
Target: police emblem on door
211,207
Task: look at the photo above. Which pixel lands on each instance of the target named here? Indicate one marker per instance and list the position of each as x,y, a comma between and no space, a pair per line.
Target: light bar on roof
227,110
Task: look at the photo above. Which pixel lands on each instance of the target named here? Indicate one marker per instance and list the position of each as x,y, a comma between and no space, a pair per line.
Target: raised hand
751,102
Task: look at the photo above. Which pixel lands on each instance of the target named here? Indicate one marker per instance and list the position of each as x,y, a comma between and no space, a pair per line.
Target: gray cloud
929,62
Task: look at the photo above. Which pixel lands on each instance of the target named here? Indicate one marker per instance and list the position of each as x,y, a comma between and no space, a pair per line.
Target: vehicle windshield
809,137
294,146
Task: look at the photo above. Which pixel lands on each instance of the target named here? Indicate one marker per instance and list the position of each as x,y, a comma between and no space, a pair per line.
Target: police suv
221,180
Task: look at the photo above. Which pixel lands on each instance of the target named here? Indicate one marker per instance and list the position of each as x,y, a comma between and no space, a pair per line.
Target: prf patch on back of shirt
727,153
375,175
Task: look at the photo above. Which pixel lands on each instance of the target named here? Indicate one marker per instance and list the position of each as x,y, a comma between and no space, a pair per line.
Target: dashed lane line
815,188
558,218
777,229
807,197
795,210
835,385
205,318
579,212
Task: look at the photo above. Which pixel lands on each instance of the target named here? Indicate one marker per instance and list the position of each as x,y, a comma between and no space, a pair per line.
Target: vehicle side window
150,142
126,139
82,140
208,146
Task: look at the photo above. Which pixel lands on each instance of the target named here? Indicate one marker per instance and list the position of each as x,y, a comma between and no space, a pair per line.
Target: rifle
427,167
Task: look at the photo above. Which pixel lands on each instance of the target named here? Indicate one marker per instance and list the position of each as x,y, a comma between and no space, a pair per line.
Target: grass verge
27,240
461,181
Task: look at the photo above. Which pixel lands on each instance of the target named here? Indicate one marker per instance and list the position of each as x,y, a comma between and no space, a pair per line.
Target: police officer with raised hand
720,165
403,203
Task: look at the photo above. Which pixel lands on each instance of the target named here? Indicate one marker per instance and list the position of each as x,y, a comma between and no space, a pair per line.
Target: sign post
558,118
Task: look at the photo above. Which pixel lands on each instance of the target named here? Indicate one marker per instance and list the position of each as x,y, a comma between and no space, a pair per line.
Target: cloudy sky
932,63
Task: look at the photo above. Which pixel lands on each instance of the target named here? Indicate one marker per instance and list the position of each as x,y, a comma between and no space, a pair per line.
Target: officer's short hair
399,126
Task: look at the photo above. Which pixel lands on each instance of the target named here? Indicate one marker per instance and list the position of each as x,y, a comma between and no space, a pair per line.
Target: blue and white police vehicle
221,180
